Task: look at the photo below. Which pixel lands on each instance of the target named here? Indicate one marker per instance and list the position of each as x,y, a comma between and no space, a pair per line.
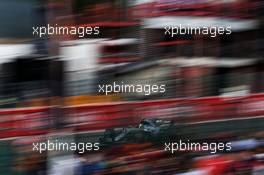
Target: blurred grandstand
49,86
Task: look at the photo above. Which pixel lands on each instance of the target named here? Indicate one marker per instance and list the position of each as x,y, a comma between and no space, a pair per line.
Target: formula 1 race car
148,130
155,127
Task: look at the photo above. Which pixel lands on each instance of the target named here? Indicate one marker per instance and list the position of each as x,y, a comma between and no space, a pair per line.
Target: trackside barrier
35,121
24,121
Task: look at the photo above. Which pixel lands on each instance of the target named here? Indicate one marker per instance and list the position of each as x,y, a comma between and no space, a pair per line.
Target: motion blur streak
211,69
